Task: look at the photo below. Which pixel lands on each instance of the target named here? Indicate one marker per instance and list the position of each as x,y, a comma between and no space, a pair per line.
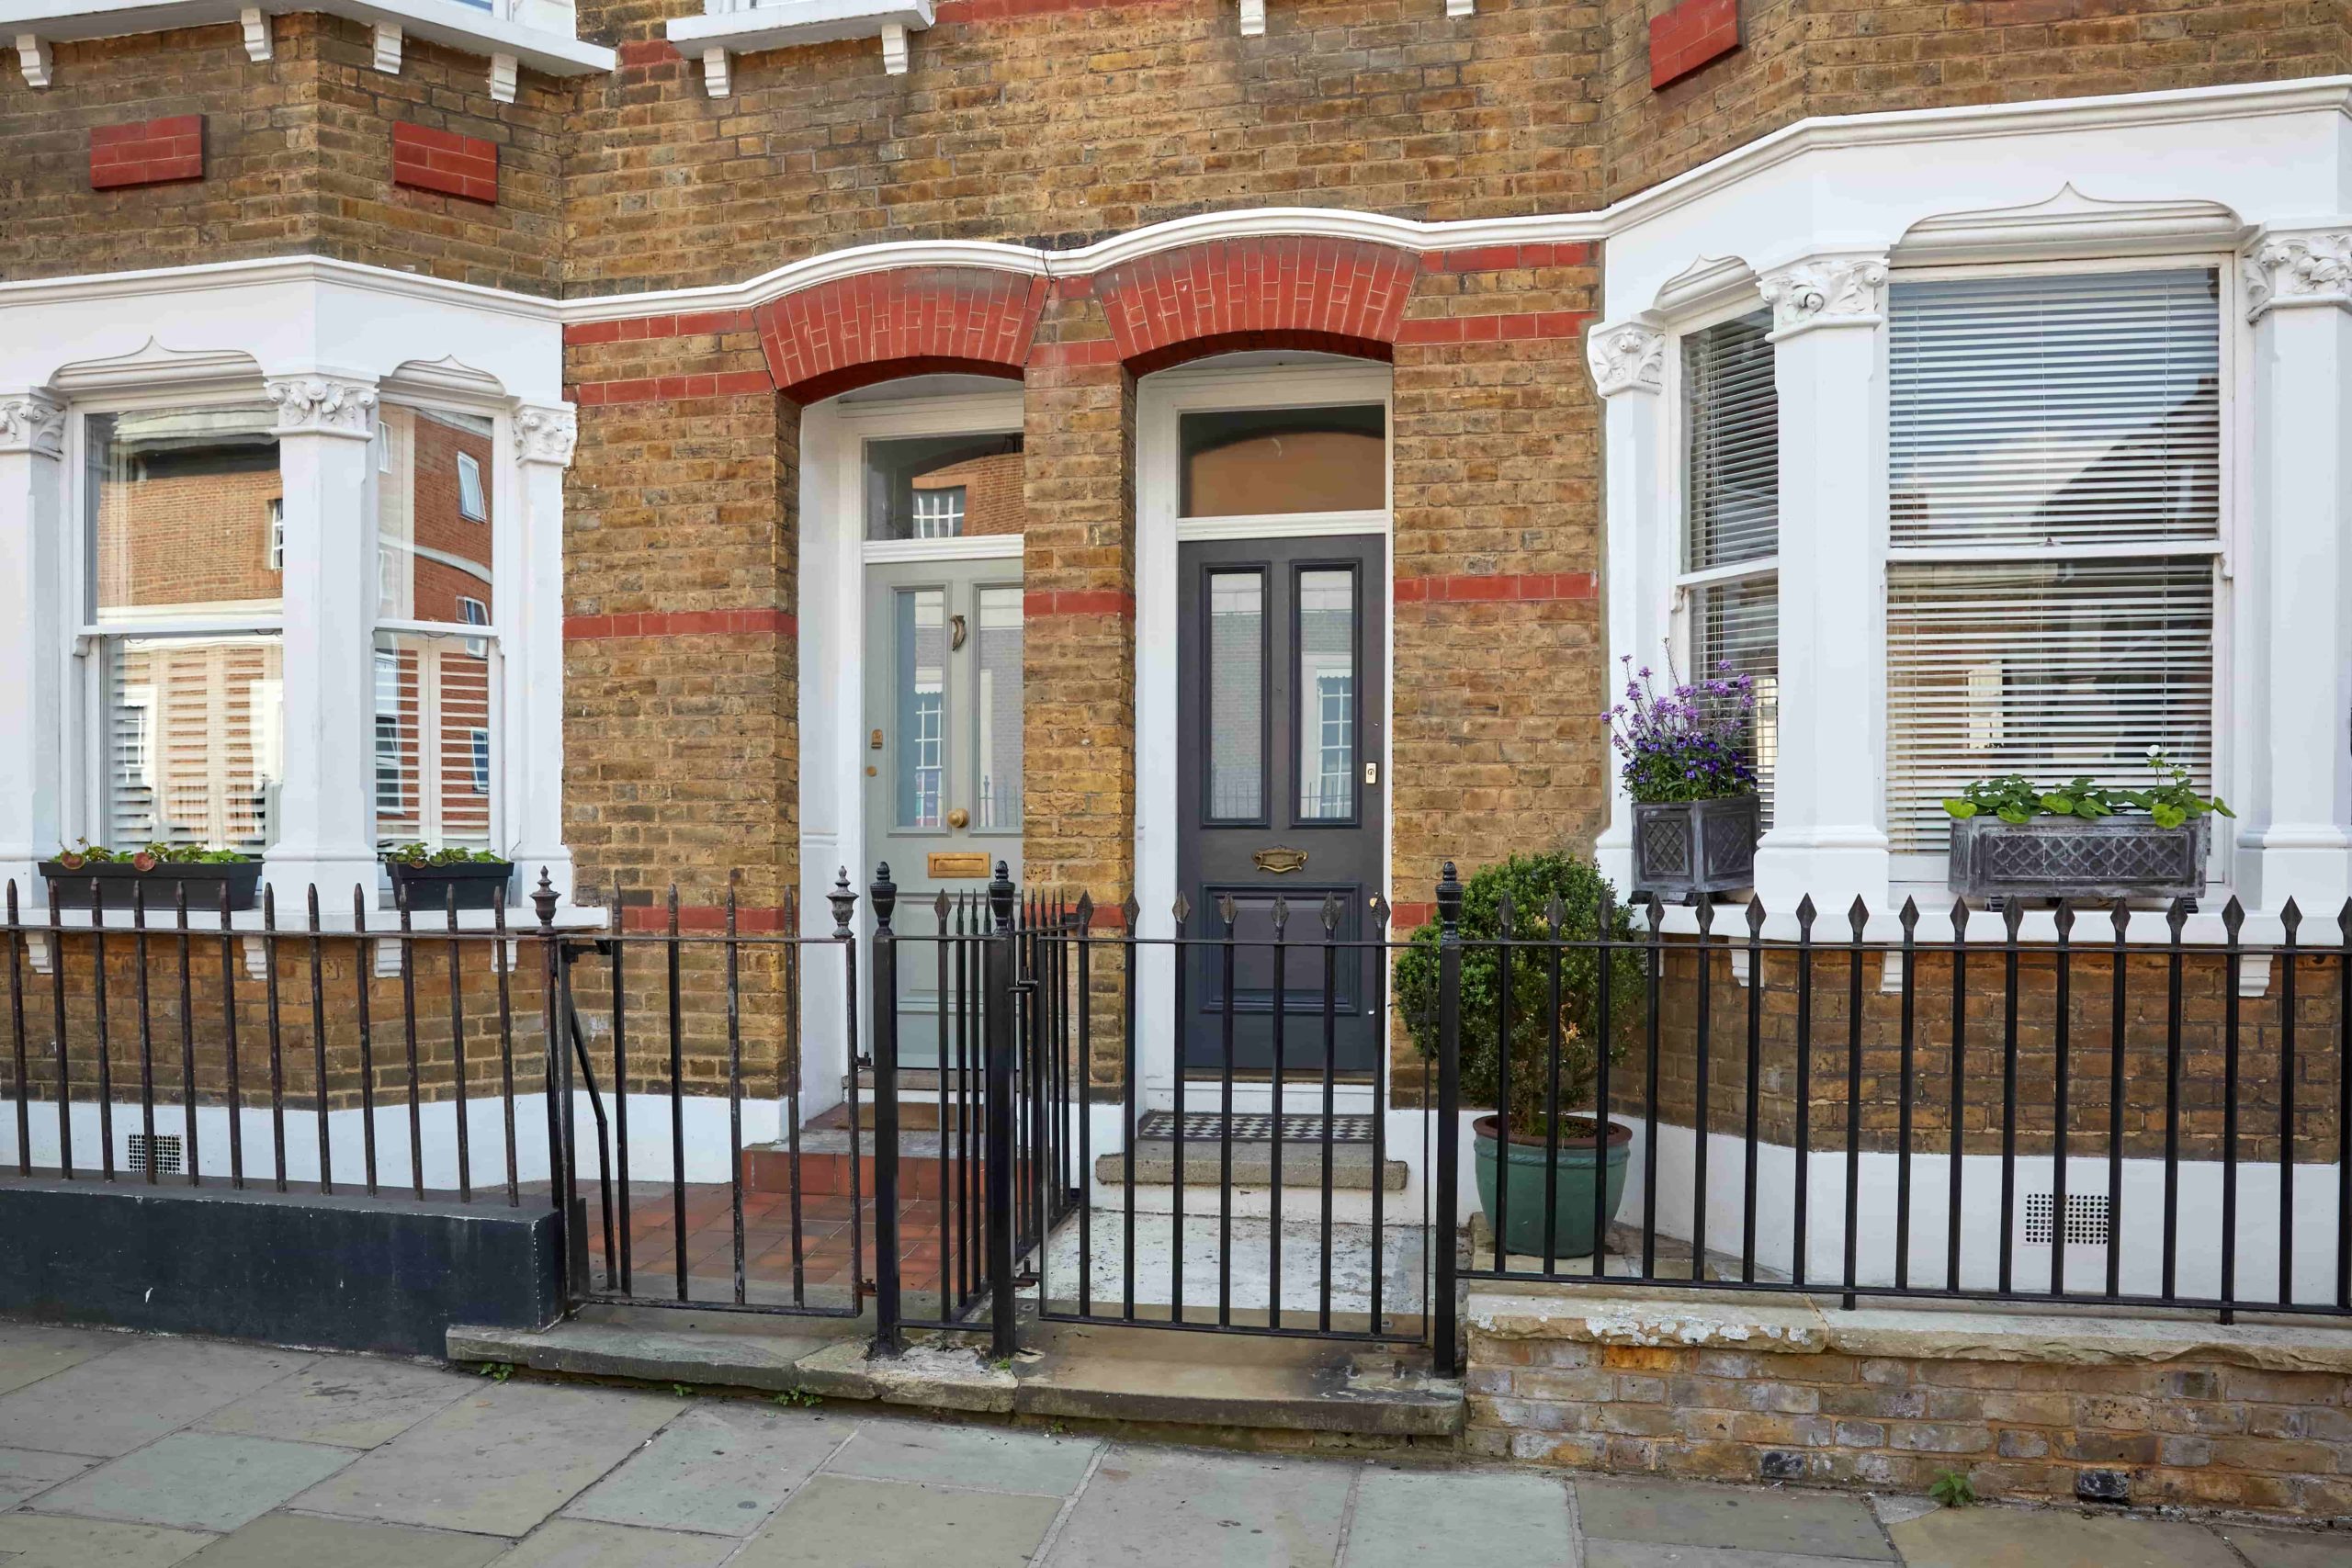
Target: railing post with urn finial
886,1336
996,1002
1445,1309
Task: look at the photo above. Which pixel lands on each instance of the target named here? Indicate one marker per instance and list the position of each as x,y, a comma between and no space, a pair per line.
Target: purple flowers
1690,743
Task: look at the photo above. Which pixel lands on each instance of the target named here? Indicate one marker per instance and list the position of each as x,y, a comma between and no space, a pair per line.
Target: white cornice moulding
153,364
792,25
2071,226
269,272
446,22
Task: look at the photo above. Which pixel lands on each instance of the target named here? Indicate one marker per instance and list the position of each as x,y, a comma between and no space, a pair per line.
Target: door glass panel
1327,694
1237,697
918,766
944,486
1260,462
997,649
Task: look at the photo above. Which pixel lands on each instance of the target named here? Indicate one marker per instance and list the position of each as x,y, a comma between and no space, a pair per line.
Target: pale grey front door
942,751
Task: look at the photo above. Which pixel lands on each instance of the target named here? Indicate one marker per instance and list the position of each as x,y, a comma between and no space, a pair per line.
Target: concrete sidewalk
127,1451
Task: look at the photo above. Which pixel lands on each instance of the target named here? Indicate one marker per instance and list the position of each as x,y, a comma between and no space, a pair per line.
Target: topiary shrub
1584,899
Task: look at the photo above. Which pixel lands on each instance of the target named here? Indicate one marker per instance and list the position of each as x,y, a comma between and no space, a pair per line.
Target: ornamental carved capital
1833,291
32,422
1626,357
2312,267
545,433
322,405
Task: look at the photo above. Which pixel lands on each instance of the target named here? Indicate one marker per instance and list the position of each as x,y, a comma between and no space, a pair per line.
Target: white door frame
1159,400
833,554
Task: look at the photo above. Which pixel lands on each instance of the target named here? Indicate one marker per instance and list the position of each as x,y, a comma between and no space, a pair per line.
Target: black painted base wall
350,1273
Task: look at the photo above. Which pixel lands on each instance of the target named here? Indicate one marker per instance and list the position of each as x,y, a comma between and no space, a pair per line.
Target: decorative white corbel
1461,7
714,79
1828,292
503,68
32,54
2310,267
256,22
32,422
894,49
1626,356
1254,18
389,37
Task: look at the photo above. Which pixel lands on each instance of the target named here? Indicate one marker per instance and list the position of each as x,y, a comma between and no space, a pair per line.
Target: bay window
2054,532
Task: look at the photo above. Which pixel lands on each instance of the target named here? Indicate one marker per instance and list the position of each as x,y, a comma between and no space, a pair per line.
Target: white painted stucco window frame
1160,400
831,612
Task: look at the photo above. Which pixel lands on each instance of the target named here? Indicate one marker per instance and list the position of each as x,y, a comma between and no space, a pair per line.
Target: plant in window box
424,877
2013,838
1685,760
1557,1160
157,875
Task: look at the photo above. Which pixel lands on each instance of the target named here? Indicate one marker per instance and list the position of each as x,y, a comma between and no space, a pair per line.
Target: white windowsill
439,21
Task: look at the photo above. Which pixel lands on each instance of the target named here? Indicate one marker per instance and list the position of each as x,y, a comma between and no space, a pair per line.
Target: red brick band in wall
845,334
1514,326
1078,601
681,623
147,151
667,388
427,159
693,324
1170,306
1497,587
1694,33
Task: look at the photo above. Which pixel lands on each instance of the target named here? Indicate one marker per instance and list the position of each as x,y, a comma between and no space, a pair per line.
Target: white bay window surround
2060,392
303,609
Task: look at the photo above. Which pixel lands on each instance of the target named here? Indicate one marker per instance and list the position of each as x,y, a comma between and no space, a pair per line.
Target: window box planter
157,887
1688,848
2064,857
479,885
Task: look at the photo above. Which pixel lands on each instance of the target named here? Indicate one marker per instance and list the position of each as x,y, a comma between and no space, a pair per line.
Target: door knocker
954,633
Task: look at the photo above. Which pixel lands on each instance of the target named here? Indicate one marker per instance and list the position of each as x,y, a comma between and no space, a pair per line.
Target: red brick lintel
681,623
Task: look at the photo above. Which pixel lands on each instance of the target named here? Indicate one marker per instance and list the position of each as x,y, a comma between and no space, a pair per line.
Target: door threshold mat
1208,1127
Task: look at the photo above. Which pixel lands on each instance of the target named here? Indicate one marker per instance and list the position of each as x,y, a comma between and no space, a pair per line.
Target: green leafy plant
1952,1489
1586,906
425,856
799,1398
147,856
497,1372
2013,798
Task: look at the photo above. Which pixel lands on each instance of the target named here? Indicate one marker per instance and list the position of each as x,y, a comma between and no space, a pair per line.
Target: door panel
1281,703
942,758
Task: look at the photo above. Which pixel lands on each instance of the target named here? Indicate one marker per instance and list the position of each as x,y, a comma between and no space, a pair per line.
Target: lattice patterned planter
1686,848
2061,857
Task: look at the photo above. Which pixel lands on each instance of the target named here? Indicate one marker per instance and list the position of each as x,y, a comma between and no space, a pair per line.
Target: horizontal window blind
1736,623
2058,409
1732,415
2046,668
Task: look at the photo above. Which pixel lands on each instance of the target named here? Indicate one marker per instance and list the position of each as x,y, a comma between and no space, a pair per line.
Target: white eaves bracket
717,37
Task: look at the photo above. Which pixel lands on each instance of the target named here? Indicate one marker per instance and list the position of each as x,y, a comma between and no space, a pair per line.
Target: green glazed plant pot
1529,1171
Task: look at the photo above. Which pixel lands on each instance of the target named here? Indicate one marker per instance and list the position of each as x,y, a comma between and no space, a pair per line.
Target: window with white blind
1732,519
2054,531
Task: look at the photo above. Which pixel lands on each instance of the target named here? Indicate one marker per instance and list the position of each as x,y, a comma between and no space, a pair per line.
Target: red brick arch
1339,296
852,332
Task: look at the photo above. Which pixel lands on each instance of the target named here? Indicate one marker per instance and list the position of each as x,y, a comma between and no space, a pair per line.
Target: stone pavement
128,1451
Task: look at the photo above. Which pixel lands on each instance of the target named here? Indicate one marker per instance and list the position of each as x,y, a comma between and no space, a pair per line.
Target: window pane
1327,696
997,646
1237,697
433,522
183,513
918,768
432,741
2049,668
195,730
1735,630
941,487
1731,410
2054,408
1257,462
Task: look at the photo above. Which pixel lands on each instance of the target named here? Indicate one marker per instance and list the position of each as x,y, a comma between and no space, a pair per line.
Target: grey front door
943,753
1281,707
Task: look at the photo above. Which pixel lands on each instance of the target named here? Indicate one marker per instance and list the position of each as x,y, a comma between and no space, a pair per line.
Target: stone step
1253,1164
1249,1285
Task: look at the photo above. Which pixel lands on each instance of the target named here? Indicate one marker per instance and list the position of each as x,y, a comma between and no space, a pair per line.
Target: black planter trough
2065,857
1690,848
157,888
479,885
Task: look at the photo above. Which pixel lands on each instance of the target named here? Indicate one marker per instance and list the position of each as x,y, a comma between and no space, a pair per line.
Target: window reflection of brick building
992,500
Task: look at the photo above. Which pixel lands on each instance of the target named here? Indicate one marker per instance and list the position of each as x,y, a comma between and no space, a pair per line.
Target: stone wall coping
1806,1326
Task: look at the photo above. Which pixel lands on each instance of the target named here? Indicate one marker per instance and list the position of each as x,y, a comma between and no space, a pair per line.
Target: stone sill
1811,1325
443,22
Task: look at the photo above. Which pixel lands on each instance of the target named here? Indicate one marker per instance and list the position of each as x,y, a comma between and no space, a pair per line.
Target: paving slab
1667,1513
298,1541
31,1351
197,1481
25,1471
1647,1554
2289,1549
1405,1517
721,1467
966,1456
349,1400
32,1541
837,1520
1167,1508
579,1543
2048,1537
116,1403
497,1461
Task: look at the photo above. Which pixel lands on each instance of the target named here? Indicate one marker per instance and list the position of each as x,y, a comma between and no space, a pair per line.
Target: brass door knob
958,818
